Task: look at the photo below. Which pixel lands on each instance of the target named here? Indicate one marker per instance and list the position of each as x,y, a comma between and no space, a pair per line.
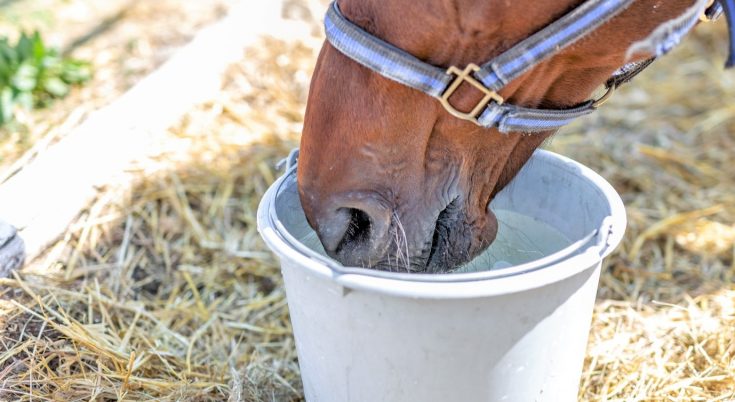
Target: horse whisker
401,241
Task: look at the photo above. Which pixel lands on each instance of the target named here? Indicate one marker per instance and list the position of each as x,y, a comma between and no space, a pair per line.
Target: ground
163,290
124,40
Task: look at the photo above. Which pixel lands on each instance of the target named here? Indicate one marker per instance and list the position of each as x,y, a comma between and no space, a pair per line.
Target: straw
664,325
163,290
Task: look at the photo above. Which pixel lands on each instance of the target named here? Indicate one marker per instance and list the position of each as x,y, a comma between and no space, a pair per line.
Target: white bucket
513,334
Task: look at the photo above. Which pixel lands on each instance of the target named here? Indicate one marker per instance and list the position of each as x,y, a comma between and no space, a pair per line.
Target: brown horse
387,177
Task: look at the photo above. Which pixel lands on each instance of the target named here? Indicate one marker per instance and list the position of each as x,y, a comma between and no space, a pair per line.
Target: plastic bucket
511,334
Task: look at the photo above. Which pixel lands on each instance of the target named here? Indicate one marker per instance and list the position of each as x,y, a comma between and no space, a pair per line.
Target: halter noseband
492,111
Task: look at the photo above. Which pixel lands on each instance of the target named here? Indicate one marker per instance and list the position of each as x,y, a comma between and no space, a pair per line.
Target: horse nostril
355,232
358,229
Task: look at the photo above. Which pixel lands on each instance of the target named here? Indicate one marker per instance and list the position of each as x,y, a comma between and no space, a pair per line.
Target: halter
489,78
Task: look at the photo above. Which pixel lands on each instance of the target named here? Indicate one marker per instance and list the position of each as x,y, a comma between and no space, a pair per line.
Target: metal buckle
466,76
605,97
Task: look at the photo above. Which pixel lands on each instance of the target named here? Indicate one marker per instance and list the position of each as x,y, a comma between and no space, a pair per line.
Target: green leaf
32,74
26,78
76,72
39,48
5,72
8,53
56,87
6,105
24,48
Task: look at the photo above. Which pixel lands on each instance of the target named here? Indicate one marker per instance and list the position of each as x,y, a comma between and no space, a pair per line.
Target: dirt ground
164,291
124,40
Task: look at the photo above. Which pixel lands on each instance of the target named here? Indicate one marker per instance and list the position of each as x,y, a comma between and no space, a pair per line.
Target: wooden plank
45,196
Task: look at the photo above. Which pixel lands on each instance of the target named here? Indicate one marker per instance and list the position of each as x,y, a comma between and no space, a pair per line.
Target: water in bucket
520,239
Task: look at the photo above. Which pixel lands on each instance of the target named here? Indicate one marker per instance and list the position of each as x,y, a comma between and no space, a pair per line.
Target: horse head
388,177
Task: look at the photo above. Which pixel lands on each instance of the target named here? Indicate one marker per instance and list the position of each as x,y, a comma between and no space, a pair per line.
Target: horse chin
454,242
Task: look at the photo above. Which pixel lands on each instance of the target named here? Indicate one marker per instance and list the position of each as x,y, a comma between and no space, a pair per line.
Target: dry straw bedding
162,289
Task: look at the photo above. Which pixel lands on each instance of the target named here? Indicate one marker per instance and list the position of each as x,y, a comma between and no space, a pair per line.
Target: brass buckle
466,76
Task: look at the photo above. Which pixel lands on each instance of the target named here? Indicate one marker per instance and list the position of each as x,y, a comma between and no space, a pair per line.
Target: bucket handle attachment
288,162
604,235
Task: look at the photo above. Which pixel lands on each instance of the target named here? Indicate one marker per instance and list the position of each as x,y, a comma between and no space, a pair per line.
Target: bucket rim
599,244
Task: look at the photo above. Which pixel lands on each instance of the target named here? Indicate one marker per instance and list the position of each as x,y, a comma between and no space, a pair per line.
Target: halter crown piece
491,77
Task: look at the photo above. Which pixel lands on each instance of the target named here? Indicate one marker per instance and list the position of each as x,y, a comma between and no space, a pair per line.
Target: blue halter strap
489,78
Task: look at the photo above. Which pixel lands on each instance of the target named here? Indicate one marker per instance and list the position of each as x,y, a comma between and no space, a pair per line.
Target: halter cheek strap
489,78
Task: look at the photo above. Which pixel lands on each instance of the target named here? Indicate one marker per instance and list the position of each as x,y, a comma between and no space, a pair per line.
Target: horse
391,178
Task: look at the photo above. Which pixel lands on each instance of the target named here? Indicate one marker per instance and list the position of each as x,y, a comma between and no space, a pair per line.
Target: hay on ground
164,291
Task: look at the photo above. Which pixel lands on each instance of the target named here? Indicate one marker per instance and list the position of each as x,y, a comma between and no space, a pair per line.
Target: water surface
520,239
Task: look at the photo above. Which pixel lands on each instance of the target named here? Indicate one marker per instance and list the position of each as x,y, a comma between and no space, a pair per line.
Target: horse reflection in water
388,178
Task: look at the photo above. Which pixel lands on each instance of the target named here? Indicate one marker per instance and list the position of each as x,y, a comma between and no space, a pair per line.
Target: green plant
32,74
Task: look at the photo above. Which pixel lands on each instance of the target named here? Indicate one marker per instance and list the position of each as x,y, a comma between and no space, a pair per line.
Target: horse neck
454,32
